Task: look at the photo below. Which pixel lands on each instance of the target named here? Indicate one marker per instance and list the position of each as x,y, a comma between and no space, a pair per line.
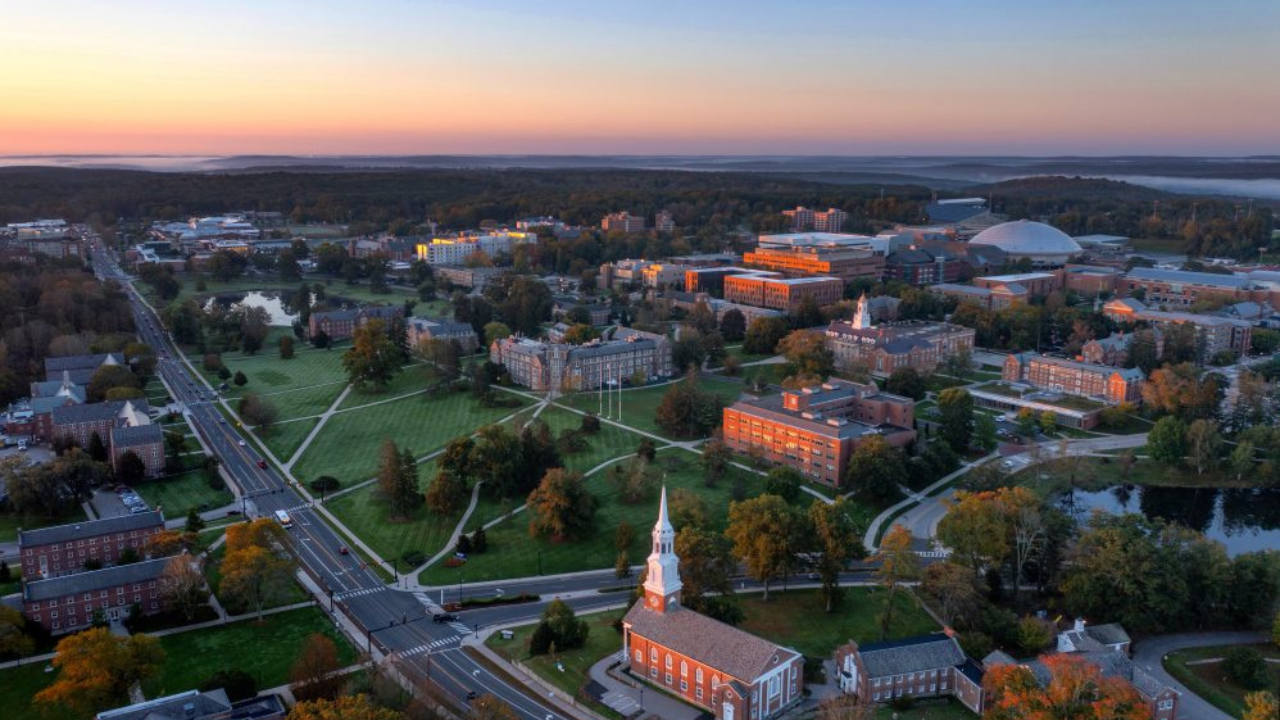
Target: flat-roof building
781,293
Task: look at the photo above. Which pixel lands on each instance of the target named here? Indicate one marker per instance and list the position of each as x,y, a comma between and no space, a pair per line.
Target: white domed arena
1044,245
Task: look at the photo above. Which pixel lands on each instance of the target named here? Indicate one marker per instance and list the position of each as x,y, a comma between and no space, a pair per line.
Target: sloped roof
174,707
94,580
90,528
913,654
136,436
732,651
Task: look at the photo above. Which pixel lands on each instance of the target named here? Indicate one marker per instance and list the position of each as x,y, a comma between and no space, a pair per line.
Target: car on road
471,695
262,464
240,443
342,550
444,617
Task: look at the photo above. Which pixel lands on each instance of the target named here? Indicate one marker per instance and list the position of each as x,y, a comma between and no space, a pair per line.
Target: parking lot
107,502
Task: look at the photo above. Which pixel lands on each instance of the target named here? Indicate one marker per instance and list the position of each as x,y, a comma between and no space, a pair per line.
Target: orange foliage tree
1077,690
347,707
96,669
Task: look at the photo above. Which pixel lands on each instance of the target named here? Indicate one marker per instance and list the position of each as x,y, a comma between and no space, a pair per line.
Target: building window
668,661
698,692
775,686
684,669
639,656
877,697
668,677
653,655
1166,704
653,672
684,685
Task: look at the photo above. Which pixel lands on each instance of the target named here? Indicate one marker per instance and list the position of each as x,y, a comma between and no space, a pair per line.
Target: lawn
333,289
611,442
601,641
773,373
284,439
512,553
1210,682
797,618
413,378
266,650
942,709
179,493
10,523
17,687
1094,473
347,447
365,513
305,385
744,356
640,405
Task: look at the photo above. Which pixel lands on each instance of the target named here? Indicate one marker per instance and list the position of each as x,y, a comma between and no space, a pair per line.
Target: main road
398,623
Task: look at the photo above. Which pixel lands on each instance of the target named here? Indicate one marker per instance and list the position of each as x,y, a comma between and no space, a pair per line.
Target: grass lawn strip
17,688
284,439
640,405
611,442
182,492
10,523
602,640
1208,679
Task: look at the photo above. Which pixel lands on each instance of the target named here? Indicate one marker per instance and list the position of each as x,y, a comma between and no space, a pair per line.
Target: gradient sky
648,76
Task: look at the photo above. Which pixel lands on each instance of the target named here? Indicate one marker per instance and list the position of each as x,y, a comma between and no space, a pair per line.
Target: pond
1243,519
279,305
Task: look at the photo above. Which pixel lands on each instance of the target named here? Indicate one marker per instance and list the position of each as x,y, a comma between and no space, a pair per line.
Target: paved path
324,418
1149,653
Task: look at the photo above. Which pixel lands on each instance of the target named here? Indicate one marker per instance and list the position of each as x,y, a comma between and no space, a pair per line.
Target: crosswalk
358,593
432,646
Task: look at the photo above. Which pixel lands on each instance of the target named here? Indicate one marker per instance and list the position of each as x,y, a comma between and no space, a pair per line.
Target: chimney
1078,626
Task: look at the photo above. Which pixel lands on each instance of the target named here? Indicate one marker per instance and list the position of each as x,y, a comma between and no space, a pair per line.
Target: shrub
479,541
212,362
1245,667
325,483
413,558
590,424
464,544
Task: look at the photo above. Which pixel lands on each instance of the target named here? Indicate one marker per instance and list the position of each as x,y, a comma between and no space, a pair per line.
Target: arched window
653,655
668,661
684,668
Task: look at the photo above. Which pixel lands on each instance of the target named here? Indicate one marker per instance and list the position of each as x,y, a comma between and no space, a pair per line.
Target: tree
1034,634
561,506
182,585
97,449
906,382
763,335
898,564
347,707
96,669
1077,690
686,411
876,470
762,529
975,530
254,571
784,481
716,456
257,411
373,358
240,379
955,405
287,266
1246,667
844,706
488,707
195,523
953,591
646,450
984,432
109,377
707,564
286,348
1167,441
580,333
1261,706
733,325
398,479
130,468
255,325
447,494
495,331
838,540
1204,443
635,480
314,674
807,354
14,640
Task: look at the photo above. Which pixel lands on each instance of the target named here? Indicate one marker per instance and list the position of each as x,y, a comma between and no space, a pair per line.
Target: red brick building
915,667
848,264
64,549
1112,385
885,348
1037,284
731,673
784,294
67,604
342,324
145,441
816,429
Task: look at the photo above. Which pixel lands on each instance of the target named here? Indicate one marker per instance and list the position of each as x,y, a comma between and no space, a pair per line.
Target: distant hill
1070,188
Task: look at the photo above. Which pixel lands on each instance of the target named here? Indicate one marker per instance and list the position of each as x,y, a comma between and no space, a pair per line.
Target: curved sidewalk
1149,654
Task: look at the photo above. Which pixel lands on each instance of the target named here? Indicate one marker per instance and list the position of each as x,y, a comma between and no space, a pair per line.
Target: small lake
1243,519
277,304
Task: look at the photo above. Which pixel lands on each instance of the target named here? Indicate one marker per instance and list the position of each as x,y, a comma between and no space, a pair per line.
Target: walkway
324,418
1149,654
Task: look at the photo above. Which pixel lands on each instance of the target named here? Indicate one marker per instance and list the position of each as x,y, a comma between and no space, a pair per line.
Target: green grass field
601,641
1210,682
798,619
284,439
366,514
347,447
512,553
17,688
266,650
306,385
10,523
611,442
640,405
410,379
333,289
180,493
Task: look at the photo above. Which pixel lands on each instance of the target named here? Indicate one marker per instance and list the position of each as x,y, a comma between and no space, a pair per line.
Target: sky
840,77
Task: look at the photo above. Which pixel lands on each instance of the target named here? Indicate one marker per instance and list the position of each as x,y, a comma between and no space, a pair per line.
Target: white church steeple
862,318
662,583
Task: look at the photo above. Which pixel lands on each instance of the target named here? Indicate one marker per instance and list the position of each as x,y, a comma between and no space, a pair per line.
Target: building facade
923,666
456,250
1180,288
622,222
342,324
883,349
732,674
145,441
63,549
804,220
543,366
68,603
664,222
1215,333
816,429
1109,384
423,329
1037,284
784,294
808,261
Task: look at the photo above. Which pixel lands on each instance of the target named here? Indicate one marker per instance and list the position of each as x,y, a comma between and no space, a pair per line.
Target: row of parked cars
131,499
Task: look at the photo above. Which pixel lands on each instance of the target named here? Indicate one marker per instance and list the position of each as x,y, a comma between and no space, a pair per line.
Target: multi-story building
200,705
664,222
1109,384
474,278
146,441
923,666
1113,350
530,223
1090,280
816,429
810,261
78,369
689,301
622,222
993,298
544,366
456,250
342,324
1037,284
422,329
664,275
918,266
63,549
1180,288
714,666
781,293
803,219
885,348
33,417
711,279
81,422
68,603
1215,333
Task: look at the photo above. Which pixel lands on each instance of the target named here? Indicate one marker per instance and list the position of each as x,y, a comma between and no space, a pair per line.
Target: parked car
444,617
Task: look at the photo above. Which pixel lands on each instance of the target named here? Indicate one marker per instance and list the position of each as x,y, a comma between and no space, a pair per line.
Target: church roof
722,647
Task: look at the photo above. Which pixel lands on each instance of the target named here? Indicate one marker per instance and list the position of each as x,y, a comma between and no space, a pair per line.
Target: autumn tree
716,456
635,481
707,564
96,669
561,506
876,471
447,494
373,358
398,479
845,706
974,530
182,585
488,707
953,590
898,564
256,569
1203,444
258,411
14,640
686,411
809,360
837,540
763,335
347,707
1261,706
762,530
687,508
314,674
1077,690
955,405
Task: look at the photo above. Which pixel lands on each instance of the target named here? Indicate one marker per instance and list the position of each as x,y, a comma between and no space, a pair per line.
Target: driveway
108,504
1148,654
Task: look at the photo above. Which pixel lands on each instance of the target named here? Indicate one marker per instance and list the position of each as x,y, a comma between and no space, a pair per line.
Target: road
1149,653
395,621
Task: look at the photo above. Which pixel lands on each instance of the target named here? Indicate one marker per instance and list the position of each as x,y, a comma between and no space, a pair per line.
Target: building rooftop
90,528
94,412
723,647
1234,282
136,436
912,654
1018,277
189,705
963,289
94,580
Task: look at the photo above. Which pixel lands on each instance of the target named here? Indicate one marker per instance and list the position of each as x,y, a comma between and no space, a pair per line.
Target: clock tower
662,583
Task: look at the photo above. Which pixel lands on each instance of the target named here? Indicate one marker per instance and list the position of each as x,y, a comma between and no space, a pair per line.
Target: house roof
90,528
723,647
136,436
81,362
94,580
1108,633
94,412
912,654
173,707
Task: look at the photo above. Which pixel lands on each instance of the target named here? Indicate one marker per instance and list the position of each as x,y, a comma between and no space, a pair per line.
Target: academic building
803,219
1215,333
848,264
1109,384
784,294
816,429
543,366
883,349
732,674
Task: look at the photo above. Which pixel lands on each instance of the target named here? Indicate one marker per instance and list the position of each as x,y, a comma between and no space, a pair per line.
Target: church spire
662,583
862,318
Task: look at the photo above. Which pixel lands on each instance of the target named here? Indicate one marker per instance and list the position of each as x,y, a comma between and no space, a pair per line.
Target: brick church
733,674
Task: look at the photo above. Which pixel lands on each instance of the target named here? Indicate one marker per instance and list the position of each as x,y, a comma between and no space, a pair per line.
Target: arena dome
1040,243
